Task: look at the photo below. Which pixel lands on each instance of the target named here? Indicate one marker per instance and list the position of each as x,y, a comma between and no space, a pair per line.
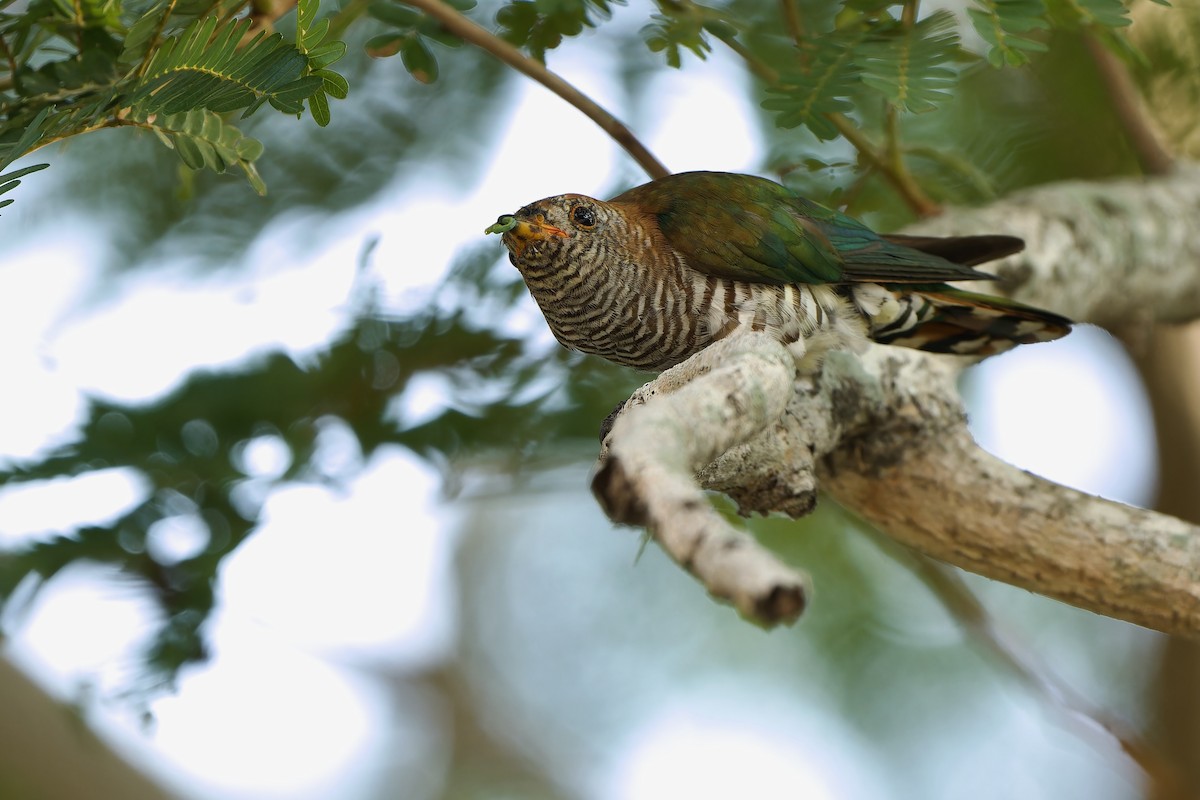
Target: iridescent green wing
736,226
753,229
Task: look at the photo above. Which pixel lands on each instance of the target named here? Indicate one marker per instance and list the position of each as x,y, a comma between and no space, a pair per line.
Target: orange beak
527,232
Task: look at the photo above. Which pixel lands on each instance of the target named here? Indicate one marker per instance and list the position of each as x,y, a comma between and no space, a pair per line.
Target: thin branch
895,174
467,30
889,164
1129,109
156,39
791,18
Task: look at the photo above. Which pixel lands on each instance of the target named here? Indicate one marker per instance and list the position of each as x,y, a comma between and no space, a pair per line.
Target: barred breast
652,316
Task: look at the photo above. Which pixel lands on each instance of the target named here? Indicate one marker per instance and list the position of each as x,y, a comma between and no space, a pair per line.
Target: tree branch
734,389
487,41
886,434
926,483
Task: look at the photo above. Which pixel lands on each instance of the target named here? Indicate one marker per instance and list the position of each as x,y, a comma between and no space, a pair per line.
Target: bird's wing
753,229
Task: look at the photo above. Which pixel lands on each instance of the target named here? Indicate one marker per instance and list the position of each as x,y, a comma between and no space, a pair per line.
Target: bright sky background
235,729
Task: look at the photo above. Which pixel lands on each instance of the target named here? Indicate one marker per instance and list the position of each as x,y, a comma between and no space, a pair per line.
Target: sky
1068,410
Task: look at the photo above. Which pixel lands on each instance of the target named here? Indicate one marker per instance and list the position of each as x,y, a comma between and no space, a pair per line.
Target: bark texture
885,434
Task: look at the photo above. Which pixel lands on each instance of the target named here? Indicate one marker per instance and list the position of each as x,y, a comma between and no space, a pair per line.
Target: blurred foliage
410,34
541,25
177,68
964,130
1169,73
188,446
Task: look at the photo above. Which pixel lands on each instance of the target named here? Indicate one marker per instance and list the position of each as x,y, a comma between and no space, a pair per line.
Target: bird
658,273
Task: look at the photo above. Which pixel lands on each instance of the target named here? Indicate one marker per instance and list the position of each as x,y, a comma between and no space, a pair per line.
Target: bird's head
544,233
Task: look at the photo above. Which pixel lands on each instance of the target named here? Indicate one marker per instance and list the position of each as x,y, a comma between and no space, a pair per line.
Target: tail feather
940,319
966,250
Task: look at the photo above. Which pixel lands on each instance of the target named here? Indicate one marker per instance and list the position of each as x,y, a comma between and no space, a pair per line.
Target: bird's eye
583,216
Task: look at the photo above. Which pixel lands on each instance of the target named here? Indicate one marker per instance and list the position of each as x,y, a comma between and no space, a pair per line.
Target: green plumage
748,228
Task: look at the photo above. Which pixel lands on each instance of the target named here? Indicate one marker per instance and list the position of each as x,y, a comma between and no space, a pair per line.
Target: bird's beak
525,232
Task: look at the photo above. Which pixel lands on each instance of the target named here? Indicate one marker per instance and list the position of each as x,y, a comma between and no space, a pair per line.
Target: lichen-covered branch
737,389
885,434
1105,252
912,469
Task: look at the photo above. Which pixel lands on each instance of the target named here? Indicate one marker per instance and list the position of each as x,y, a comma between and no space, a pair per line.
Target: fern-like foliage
908,65
687,29
311,40
822,85
11,180
205,140
1005,26
204,67
68,67
541,25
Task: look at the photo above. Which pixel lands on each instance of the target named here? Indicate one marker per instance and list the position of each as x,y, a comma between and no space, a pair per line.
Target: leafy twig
888,163
895,173
156,39
467,30
791,18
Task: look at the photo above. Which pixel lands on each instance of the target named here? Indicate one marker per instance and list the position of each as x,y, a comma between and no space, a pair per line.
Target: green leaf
33,133
306,15
203,67
204,140
671,34
823,87
430,28
143,34
335,85
21,173
906,65
314,35
385,45
10,181
326,54
1001,24
394,14
541,25
418,60
310,38
318,106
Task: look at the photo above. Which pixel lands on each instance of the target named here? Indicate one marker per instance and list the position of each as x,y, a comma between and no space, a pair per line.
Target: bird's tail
940,319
